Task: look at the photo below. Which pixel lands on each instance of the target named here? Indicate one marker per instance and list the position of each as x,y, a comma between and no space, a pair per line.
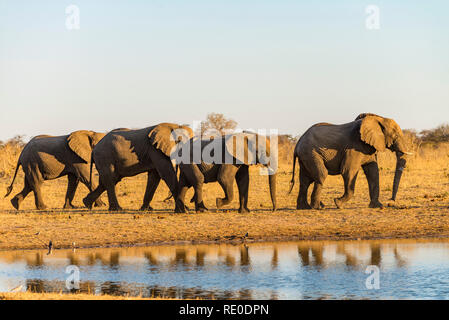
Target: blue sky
267,64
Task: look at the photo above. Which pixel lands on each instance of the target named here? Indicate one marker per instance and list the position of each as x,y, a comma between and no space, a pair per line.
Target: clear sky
266,64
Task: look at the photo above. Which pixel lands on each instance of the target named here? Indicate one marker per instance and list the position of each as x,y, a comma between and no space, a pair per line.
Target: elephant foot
244,210
70,206
338,203
316,206
115,208
222,202
303,206
99,203
146,208
180,208
376,204
15,203
87,203
201,207
41,207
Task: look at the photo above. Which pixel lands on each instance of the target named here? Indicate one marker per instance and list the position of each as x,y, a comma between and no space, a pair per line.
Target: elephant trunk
400,165
272,183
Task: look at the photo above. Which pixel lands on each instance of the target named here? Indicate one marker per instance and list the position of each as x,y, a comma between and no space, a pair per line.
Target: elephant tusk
409,153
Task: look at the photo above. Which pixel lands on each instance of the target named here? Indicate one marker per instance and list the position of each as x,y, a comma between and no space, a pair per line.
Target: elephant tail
292,182
170,195
91,167
9,189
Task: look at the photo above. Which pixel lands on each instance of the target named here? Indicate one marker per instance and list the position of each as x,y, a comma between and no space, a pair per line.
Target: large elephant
125,153
47,158
223,160
327,149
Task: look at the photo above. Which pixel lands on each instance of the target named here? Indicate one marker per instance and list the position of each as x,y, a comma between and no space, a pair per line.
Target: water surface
408,269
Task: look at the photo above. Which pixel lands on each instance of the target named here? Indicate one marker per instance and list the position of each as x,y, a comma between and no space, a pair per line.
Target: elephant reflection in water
244,256
180,257
316,252
200,255
152,260
73,258
275,259
113,261
38,260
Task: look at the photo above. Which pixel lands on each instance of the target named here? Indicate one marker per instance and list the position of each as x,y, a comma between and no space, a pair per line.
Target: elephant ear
80,143
371,132
165,136
243,147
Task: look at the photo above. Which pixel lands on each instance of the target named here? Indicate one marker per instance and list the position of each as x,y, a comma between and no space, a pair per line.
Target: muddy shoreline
232,242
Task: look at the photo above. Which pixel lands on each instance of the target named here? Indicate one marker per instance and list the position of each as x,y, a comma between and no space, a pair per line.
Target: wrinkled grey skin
327,149
196,174
47,158
126,153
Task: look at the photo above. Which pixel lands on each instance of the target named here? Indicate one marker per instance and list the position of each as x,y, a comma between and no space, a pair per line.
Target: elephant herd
324,149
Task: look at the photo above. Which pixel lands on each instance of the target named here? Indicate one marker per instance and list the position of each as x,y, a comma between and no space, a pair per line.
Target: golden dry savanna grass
420,211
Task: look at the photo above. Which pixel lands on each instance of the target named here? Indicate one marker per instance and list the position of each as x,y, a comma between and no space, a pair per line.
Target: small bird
37,233
70,217
50,247
246,235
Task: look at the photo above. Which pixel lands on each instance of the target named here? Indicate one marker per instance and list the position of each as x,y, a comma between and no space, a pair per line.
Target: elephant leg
165,170
199,202
304,183
38,199
35,181
191,175
90,199
198,183
349,178
18,198
152,184
316,196
184,185
242,178
226,176
84,177
372,175
72,184
112,195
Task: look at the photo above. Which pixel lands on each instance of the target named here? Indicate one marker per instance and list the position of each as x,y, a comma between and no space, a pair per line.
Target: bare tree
218,123
438,134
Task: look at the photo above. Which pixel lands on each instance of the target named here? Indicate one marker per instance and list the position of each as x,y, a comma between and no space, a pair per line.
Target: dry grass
421,211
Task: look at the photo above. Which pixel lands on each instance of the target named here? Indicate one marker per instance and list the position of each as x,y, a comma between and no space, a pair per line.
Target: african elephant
221,160
125,153
327,149
48,157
